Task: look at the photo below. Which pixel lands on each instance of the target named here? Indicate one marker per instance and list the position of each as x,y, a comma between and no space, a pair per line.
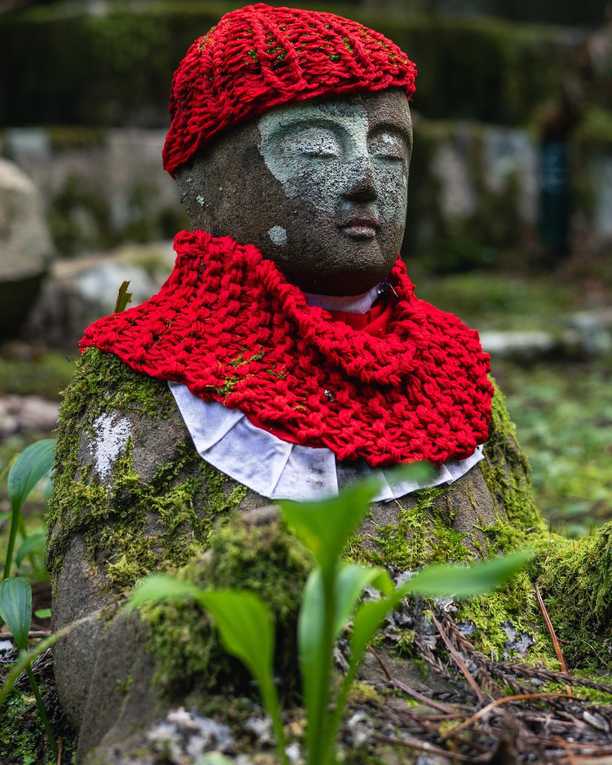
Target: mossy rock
147,502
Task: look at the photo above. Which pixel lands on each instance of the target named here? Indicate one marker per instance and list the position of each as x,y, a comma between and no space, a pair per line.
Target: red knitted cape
229,325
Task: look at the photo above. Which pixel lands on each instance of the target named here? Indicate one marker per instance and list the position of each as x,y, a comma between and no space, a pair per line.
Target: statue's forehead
347,114
356,112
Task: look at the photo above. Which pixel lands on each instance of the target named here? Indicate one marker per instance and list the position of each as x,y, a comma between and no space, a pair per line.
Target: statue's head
303,150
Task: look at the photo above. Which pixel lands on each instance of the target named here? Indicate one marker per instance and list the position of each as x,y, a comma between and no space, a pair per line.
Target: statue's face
320,187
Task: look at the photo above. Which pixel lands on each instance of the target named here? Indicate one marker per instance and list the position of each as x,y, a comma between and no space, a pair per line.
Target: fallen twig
457,658
408,690
414,743
551,632
499,702
31,634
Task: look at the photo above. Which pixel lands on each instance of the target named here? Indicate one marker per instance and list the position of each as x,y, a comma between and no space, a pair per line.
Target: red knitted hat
259,56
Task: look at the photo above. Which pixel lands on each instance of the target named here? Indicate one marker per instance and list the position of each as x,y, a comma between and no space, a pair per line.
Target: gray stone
81,290
25,246
525,345
26,414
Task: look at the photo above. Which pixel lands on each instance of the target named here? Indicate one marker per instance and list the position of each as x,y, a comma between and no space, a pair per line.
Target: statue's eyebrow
304,121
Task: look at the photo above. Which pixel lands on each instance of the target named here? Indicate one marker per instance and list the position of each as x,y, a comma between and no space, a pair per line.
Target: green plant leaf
30,466
351,581
325,527
310,644
35,544
246,626
159,587
466,581
367,620
43,613
419,472
16,608
124,298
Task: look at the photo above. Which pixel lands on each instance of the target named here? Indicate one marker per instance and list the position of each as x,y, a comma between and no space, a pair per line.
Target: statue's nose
360,186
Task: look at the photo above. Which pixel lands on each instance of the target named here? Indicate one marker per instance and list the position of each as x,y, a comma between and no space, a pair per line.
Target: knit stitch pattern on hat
230,326
259,56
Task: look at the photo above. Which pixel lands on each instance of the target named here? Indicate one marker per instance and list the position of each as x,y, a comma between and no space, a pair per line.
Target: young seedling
31,465
16,611
330,601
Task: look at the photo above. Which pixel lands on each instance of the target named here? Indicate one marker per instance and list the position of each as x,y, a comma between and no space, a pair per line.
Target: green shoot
16,611
331,599
31,465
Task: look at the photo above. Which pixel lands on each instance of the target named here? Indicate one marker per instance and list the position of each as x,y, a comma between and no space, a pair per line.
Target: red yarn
258,56
234,330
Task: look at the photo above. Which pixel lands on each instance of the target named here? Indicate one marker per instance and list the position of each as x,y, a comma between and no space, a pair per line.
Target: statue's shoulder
506,470
109,409
104,383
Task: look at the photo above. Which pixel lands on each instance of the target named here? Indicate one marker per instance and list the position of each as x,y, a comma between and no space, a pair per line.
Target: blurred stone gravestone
25,247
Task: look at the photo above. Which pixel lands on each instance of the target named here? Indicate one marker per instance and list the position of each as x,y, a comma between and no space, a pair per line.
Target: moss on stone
576,581
21,743
264,559
421,535
506,473
22,734
132,526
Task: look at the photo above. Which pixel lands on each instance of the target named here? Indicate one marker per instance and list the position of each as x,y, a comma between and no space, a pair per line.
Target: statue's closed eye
388,146
314,142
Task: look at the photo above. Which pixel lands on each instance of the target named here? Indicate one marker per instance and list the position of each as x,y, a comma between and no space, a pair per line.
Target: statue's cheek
320,185
392,191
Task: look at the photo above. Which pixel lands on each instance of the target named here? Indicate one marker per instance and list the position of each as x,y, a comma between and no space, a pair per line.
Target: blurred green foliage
564,417
43,375
116,69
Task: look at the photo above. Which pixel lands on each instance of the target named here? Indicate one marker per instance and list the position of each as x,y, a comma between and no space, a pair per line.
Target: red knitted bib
231,327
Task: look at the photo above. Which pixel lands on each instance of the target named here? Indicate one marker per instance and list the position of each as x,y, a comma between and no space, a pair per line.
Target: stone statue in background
26,250
286,355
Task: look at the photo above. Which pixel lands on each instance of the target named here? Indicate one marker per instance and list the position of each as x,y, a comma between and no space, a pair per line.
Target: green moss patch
131,526
264,559
576,579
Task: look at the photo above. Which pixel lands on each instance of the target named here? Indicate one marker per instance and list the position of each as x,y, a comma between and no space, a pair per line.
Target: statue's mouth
363,227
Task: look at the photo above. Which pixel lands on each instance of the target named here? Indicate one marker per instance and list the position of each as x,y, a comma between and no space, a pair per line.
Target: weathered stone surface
81,290
25,246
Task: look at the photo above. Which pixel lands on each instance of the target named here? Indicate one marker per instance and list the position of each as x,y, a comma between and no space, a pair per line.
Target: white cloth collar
277,469
348,303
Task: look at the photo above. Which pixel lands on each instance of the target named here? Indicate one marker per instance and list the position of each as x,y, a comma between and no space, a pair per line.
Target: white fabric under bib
277,469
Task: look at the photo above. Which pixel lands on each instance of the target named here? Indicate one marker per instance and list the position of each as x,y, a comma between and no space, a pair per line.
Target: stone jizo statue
286,355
